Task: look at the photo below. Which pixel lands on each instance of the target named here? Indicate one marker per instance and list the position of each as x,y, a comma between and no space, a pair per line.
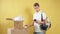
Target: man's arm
44,21
30,25
44,18
39,22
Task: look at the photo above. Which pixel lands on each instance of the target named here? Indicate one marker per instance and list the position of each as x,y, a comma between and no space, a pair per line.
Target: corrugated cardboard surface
18,31
18,28
18,24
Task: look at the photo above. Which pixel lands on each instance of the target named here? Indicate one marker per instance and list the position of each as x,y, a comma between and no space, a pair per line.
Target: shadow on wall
29,14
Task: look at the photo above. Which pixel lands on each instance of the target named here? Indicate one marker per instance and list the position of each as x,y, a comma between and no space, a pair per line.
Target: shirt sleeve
44,15
34,16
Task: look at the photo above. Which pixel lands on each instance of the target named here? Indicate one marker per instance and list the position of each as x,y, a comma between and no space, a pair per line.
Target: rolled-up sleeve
44,15
34,16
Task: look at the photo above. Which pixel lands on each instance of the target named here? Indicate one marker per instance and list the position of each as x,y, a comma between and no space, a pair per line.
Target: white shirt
37,16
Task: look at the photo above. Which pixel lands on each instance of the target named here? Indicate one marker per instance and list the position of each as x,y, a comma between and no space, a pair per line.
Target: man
37,21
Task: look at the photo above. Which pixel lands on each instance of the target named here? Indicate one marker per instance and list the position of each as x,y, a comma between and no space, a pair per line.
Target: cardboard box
18,31
22,31
18,24
18,27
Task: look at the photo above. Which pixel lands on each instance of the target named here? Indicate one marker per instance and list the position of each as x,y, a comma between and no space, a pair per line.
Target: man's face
36,8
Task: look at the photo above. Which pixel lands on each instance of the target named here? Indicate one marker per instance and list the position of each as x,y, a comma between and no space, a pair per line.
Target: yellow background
13,8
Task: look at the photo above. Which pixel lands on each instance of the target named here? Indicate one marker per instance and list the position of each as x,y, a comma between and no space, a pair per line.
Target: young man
37,16
37,21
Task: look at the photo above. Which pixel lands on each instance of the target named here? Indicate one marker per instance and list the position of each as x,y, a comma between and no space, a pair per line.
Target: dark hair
36,4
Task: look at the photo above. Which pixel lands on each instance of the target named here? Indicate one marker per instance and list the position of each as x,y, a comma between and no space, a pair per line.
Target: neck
38,10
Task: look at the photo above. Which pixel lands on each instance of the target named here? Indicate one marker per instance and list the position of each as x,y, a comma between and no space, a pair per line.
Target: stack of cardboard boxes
18,27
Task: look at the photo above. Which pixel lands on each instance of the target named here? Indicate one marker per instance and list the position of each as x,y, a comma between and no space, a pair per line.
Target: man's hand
41,22
26,26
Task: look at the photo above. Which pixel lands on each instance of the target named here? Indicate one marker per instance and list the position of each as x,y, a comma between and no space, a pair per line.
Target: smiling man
40,21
